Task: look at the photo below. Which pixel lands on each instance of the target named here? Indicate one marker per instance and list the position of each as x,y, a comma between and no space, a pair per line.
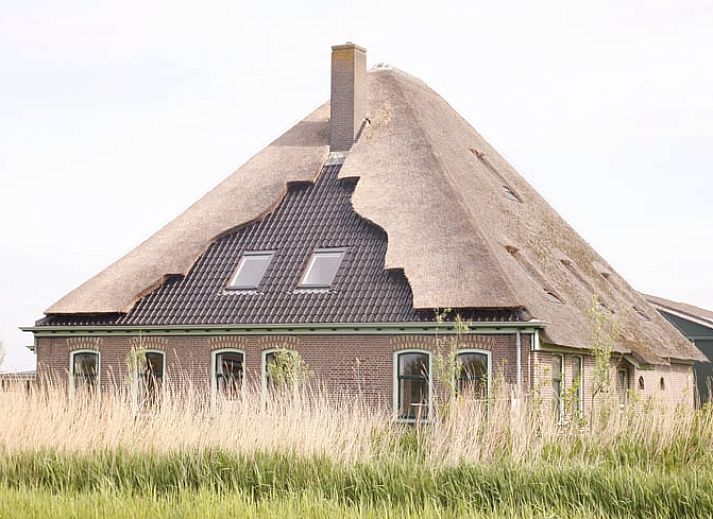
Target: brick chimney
348,104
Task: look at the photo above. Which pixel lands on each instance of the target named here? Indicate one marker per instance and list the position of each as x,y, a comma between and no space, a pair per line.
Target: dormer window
322,268
251,270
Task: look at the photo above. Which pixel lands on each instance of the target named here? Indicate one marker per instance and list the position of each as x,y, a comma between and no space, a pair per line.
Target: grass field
316,456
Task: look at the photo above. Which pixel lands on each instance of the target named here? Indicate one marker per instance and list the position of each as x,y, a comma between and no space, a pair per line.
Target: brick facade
348,364
355,364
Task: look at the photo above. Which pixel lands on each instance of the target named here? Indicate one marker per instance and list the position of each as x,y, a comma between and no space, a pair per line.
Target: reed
505,454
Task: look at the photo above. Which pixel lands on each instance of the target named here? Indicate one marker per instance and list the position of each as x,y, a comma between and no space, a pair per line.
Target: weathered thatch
252,191
467,230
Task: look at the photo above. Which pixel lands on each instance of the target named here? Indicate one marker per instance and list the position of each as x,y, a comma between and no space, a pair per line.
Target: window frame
397,386
263,368
215,390
241,262
310,264
72,355
559,398
489,355
137,377
579,361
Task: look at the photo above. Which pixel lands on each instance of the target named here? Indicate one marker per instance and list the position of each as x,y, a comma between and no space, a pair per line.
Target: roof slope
471,232
466,229
700,315
248,194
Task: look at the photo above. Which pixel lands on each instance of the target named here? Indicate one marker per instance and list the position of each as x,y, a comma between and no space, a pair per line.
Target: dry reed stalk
310,422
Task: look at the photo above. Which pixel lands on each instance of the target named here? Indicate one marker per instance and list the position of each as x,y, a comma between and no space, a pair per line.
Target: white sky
114,117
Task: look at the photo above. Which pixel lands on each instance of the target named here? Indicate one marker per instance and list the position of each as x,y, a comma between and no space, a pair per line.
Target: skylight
251,270
322,268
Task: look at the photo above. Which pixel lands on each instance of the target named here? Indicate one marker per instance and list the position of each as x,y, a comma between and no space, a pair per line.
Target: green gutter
284,329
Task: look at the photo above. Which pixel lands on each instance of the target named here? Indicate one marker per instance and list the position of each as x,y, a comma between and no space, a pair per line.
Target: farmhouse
340,241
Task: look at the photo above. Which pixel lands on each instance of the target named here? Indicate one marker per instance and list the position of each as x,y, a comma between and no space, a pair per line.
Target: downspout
518,361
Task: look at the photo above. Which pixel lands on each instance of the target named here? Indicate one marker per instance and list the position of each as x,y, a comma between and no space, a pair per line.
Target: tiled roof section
311,216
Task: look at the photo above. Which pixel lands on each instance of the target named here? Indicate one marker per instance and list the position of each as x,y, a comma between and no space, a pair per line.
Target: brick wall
353,364
348,364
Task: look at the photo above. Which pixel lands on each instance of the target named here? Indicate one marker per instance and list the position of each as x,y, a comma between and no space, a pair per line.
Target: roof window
509,191
535,275
322,268
251,270
569,265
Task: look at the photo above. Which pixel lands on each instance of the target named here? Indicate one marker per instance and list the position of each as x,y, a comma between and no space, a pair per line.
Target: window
662,384
228,371
578,378
84,365
150,374
622,386
549,293
474,374
558,386
413,385
251,270
268,358
641,383
322,268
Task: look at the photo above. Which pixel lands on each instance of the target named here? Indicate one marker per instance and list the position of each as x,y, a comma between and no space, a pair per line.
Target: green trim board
282,329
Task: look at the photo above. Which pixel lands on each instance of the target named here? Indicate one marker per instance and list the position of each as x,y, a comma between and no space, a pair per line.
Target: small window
413,385
662,384
474,374
268,358
641,383
85,370
558,386
578,378
553,298
322,268
509,193
622,387
251,270
150,376
228,369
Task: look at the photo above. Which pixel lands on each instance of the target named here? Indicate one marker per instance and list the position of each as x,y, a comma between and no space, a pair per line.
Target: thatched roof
467,230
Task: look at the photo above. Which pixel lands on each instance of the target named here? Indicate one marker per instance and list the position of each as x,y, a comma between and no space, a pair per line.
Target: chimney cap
348,46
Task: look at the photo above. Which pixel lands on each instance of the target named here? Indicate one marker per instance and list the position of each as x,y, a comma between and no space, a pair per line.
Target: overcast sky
114,117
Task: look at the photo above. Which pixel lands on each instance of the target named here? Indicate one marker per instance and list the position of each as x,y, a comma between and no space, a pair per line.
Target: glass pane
322,269
413,365
151,376
622,386
84,369
251,269
229,373
154,364
269,359
473,379
414,398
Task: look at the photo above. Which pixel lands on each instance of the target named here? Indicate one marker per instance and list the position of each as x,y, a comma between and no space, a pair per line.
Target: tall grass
501,455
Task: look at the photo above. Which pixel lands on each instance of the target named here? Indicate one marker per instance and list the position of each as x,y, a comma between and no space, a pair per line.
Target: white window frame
241,262
580,403
263,368
164,377
563,385
396,388
74,353
489,354
214,368
310,265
